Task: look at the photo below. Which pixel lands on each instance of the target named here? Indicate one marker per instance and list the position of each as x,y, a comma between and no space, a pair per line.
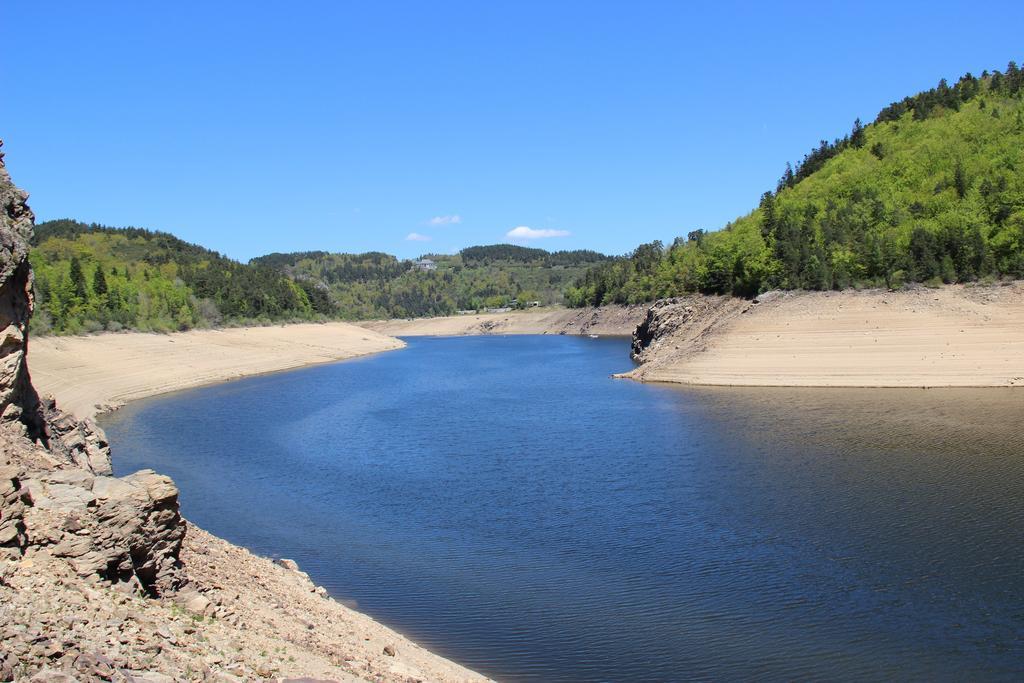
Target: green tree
99,282
857,137
960,179
77,279
767,215
524,298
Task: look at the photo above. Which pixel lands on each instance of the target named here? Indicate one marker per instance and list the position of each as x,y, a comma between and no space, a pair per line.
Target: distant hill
92,277
932,191
376,285
511,253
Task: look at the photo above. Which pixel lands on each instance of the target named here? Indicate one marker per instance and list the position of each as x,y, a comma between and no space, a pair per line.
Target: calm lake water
503,501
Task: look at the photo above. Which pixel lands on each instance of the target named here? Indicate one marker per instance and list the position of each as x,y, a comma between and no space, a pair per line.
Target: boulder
48,675
126,530
288,564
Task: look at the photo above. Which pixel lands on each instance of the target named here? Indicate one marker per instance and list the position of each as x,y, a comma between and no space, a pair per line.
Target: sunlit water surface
506,503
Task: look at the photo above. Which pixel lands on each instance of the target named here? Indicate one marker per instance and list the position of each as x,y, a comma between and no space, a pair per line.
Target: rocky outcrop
57,497
662,319
19,404
77,442
687,321
126,531
677,328
13,501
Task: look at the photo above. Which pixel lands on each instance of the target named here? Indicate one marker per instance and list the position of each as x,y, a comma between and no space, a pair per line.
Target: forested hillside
932,191
93,277
376,285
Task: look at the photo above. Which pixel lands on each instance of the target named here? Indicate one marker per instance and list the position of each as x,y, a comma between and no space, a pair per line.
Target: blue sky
256,127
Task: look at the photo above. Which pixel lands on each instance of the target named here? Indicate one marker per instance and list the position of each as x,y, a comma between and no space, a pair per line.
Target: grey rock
150,677
199,605
7,666
768,296
57,496
288,564
94,665
76,477
48,675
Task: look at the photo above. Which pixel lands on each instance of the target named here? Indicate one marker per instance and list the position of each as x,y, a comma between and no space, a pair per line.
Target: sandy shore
111,369
603,321
956,336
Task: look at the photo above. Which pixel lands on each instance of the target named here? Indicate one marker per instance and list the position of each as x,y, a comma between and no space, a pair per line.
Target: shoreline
287,622
955,336
749,385
89,375
94,374
604,321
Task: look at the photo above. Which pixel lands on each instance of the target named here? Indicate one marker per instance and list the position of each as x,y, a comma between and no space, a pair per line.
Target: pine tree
788,178
1013,78
857,138
99,282
78,279
767,215
960,180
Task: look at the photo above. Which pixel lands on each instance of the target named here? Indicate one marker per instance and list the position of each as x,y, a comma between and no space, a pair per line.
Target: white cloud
416,237
525,233
445,220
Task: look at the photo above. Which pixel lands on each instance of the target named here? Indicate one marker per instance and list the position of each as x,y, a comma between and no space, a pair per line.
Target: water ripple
505,502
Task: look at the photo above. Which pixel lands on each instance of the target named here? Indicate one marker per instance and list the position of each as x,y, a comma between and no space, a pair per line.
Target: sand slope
110,369
953,336
604,321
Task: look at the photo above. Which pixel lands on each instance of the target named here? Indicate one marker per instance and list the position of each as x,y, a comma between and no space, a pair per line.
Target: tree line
484,255
374,285
91,277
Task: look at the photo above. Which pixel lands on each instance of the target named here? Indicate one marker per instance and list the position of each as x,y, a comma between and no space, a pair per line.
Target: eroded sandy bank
947,337
604,321
111,369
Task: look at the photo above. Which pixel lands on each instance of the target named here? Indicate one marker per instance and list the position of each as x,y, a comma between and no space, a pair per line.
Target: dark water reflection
505,502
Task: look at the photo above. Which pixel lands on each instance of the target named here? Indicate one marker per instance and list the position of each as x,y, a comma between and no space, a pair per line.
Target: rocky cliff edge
57,495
